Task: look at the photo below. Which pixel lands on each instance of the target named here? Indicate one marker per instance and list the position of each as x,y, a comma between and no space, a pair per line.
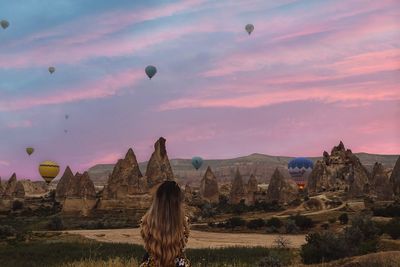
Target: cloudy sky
312,73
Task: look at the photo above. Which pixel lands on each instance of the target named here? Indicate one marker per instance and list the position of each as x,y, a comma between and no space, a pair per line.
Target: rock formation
80,195
341,170
126,179
395,178
281,189
252,189
127,188
1,188
380,184
209,187
158,167
9,192
188,193
238,191
26,188
63,184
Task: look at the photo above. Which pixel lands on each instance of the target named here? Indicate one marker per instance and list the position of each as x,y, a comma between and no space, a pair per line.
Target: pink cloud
5,163
107,158
327,95
107,86
20,124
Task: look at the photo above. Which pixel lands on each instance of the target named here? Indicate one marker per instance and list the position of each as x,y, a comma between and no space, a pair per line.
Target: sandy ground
197,239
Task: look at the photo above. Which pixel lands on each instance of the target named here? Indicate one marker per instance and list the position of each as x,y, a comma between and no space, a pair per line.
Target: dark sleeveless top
180,261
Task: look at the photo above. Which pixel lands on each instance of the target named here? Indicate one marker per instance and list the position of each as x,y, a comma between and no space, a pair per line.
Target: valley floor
197,239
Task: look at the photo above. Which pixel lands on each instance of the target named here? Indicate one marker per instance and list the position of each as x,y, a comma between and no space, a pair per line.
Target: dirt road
198,239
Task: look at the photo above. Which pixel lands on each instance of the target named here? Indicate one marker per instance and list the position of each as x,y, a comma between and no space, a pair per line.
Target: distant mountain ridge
261,165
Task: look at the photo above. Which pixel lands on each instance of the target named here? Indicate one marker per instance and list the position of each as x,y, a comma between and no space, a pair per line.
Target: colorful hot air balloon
52,70
151,71
249,28
299,169
30,150
197,162
4,24
48,170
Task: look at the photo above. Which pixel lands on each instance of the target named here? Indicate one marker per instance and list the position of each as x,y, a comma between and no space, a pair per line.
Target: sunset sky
311,74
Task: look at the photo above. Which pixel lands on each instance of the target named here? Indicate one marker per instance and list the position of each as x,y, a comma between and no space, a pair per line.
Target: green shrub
235,222
344,218
392,210
6,231
302,222
392,228
56,224
362,235
323,247
274,222
291,227
255,224
17,205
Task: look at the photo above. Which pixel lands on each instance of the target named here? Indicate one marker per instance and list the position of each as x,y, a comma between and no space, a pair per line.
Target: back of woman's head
164,225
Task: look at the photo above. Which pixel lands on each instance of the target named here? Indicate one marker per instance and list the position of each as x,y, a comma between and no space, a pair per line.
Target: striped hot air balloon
49,170
299,169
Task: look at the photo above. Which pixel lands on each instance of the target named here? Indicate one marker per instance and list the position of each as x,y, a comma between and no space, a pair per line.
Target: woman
165,229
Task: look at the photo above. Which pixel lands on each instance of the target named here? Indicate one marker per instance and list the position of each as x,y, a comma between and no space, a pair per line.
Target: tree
393,228
323,247
255,224
274,222
344,218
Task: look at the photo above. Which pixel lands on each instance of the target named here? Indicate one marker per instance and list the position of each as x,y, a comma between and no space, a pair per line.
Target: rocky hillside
261,165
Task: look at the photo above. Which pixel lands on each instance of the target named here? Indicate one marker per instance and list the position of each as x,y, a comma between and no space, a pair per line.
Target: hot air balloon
52,70
66,116
4,24
249,28
65,131
48,170
151,71
299,169
30,150
197,162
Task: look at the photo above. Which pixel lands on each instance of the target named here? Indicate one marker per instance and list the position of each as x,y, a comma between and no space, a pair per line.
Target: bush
274,222
362,235
302,222
255,224
291,227
323,247
235,222
6,231
56,224
332,220
17,205
392,210
325,226
344,218
392,228
306,198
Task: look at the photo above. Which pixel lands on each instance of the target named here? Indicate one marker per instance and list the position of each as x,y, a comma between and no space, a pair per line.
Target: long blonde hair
164,227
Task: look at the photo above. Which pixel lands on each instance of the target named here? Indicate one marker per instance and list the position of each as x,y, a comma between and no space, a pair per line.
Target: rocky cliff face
252,189
27,188
158,167
281,189
63,184
209,187
379,183
9,192
238,191
80,196
341,170
126,179
395,178
81,186
1,188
